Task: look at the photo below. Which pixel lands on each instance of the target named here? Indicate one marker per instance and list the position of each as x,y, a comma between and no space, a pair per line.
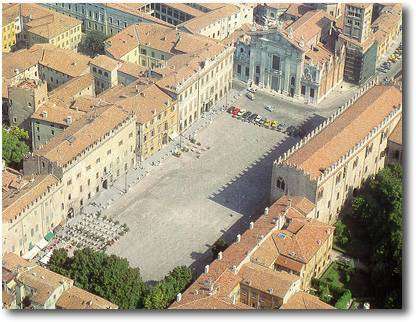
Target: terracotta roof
84,132
47,23
105,62
162,38
302,239
42,281
145,100
289,263
298,10
346,130
69,91
198,23
10,11
16,62
397,135
15,203
12,181
318,54
222,276
310,24
78,299
277,5
132,69
267,280
305,301
56,114
63,60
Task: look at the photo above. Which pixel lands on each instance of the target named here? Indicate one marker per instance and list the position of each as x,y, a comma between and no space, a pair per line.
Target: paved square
178,211
187,203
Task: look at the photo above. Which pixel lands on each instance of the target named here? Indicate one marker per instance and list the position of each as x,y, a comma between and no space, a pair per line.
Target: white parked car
252,90
250,96
270,108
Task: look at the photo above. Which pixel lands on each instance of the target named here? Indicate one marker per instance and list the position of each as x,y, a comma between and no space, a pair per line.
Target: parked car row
254,118
385,66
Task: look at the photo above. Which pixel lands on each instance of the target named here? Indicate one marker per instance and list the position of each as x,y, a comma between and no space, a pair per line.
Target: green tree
14,146
219,246
164,293
93,43
342,235
379,208
108,276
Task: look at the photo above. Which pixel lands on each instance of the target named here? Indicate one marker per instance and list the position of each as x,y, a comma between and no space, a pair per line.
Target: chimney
178,297
206,270
251,225
238,239
69,120
45,114
270,291
219,255
266,211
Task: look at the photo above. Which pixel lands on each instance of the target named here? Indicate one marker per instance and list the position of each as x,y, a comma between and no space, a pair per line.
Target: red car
235,111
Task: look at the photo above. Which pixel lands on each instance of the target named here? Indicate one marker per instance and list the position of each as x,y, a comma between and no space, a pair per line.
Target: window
312,92
320,194
109,152
120,143
258,69
88,167
354,165
238,69
98,160
338,178
303,89
280,183
69,197
276,62
69,182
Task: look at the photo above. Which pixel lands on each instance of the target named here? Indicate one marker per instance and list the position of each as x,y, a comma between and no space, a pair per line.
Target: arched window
280,183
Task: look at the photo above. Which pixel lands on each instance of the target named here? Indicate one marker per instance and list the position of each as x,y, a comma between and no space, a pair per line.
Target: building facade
87,156
107,18
292,63
330,163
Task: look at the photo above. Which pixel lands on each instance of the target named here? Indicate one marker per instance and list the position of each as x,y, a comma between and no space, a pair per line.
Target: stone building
303,61
87,156
41,25
395,147
26,98
253,272
214,20
9,29
156,114
336,158
33,287
104,70
361,53
31,209
194,70
65,104
107,18
387,28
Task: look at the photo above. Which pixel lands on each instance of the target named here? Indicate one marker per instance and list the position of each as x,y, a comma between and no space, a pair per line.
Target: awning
31,253
42,243
49,236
